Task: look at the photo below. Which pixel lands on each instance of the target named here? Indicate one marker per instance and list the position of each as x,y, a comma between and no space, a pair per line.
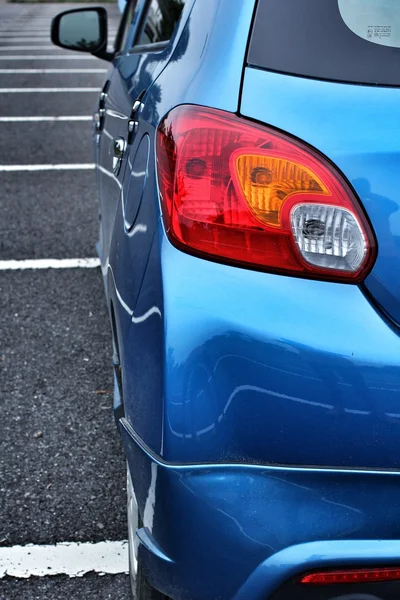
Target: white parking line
50,57
73,559
41,39
24,31
41,29
47,90
4,48
4,33
39,119
38,30
49,71
6,39
49,263
60,167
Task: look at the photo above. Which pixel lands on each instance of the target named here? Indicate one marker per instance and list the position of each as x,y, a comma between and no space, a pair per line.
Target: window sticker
377,21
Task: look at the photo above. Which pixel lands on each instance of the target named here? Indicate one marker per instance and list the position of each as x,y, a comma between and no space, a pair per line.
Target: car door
112,117
149,33
145,44
159,41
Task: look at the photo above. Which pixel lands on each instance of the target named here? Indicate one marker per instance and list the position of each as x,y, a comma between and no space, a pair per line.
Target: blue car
248,167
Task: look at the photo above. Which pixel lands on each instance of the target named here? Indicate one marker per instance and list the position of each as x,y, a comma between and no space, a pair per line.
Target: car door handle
133,123
100,114
118,150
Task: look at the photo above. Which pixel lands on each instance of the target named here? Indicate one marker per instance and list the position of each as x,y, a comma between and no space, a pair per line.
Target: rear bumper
230,373
239,531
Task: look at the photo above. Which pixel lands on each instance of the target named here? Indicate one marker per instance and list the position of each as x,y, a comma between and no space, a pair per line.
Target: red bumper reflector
351,576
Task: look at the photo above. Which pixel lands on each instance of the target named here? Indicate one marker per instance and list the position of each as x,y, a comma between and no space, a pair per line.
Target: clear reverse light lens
328,236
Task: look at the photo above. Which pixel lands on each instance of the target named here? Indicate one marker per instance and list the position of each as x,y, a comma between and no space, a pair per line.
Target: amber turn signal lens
267,181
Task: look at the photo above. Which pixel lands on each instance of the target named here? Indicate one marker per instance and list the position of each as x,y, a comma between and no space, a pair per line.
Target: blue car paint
358,128
197,74
229,373
304,557
121,249
258,370
239,531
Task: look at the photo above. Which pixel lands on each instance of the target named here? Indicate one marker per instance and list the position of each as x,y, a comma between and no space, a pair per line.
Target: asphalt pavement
62,471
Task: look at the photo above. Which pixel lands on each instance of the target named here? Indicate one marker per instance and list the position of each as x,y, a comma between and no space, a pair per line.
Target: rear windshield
355,41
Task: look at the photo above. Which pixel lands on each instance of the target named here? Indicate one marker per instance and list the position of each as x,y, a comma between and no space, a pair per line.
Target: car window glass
378,23
124,28
162,17
356,41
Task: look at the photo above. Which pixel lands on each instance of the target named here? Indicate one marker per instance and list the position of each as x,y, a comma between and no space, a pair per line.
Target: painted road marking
42,57
47,90
73,559
36,34
29,30
40,39
60,167
40,30
49,71
48,263
6,39
40,119
4,48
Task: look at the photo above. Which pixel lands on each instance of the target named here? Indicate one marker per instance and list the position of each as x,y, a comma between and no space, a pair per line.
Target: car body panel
124,246
282,374
237,532
358,128
192,72
261,412
133,74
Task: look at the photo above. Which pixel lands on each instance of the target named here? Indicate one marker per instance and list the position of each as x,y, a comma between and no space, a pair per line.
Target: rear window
353,41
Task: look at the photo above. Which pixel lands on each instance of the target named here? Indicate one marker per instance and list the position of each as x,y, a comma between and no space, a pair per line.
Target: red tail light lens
241,193
352,576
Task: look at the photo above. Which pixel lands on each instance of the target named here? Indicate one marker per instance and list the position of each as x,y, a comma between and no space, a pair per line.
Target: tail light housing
238,192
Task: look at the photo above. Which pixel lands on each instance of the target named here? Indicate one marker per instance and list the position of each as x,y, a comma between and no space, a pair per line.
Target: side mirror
82,30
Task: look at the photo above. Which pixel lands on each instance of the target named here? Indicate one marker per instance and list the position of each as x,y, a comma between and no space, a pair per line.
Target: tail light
352,576
238,192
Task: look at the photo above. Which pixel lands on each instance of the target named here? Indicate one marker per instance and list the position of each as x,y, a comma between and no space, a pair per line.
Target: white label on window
376,21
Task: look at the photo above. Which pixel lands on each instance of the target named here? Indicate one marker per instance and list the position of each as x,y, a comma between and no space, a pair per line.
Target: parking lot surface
62,471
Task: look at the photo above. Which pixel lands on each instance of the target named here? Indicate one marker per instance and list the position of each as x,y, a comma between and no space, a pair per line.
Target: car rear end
279,254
